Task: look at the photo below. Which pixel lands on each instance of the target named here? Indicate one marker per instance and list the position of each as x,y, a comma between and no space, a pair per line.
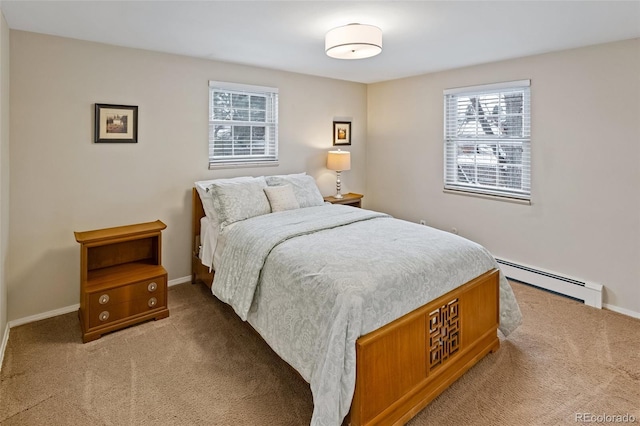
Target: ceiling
418,36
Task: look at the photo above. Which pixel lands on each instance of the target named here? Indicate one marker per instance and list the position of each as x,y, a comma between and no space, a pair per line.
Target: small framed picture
341,133
116,123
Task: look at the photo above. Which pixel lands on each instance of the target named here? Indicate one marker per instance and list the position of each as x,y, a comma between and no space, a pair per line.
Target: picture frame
341,133
116,123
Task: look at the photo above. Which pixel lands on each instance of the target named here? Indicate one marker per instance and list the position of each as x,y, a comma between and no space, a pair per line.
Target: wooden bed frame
404,365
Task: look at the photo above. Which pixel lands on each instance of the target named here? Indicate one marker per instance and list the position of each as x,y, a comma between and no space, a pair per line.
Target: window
487,142
243,125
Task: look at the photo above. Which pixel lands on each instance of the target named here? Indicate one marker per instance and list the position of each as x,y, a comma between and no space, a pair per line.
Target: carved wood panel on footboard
404,365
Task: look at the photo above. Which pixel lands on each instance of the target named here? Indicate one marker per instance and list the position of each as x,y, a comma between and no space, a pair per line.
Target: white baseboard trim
622,311
175,281
590,293
3,346
44,315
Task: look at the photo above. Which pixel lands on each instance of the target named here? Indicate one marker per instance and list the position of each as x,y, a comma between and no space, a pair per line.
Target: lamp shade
353,41
339,160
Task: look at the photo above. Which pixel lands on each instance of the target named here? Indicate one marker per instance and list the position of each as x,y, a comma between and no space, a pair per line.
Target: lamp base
338,184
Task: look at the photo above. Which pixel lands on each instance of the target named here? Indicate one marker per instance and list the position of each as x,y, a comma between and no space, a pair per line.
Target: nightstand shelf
350,199
122,281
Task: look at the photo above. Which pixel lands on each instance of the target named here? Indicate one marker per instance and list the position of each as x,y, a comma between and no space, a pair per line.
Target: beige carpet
203,366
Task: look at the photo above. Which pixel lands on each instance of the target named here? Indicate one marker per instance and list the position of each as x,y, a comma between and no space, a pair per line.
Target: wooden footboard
404,365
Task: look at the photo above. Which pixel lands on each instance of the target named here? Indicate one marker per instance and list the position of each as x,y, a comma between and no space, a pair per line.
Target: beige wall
62,182
4,172
584,219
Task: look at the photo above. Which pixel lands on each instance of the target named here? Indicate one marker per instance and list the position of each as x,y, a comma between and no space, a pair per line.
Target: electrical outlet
423,222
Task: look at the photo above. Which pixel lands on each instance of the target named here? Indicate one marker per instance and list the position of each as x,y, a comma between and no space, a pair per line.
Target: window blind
243,125
487,140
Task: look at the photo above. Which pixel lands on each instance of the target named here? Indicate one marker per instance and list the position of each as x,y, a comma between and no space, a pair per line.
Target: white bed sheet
207,242
211,243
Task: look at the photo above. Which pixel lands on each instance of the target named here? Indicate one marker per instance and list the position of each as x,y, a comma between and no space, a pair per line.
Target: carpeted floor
203,366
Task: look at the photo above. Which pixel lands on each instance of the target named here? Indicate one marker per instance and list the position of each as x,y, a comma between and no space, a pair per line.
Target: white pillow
202,187
292,175
239,200
281,198
304,187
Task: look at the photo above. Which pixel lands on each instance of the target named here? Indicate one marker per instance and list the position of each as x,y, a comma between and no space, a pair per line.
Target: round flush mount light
353,41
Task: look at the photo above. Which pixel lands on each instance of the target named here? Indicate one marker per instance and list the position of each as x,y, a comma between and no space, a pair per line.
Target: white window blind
487,140
243,125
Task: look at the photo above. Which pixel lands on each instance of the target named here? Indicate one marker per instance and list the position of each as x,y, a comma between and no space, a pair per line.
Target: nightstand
122,281
350,199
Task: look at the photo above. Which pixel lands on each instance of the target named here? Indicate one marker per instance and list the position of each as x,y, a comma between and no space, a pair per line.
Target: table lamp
338,161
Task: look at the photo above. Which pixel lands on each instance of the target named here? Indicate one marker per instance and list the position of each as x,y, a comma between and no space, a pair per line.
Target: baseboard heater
590,293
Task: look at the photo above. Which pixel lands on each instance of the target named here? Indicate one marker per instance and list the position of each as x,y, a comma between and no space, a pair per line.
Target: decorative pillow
304,187
239,200
281,198
202,187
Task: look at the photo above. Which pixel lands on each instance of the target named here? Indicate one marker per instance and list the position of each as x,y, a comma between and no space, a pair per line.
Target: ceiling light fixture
353,41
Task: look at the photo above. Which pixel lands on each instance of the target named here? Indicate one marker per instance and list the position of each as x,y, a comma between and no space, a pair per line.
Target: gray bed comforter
313,280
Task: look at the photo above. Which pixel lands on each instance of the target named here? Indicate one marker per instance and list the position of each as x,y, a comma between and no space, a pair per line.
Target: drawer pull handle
153,302
104,299
104,315
152,286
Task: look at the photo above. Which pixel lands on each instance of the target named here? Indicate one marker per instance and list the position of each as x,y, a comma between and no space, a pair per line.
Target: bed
340,294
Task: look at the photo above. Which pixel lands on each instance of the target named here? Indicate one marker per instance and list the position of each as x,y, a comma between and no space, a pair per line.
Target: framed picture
116,123
341,133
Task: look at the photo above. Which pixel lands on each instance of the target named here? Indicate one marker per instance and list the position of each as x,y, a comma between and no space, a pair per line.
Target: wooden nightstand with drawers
122,281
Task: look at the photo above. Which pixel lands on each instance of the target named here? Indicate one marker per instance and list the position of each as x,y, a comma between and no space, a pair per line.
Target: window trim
272,94
488,87
488,196
452,185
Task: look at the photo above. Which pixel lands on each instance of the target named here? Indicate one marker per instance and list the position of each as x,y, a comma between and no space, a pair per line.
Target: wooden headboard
199,272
